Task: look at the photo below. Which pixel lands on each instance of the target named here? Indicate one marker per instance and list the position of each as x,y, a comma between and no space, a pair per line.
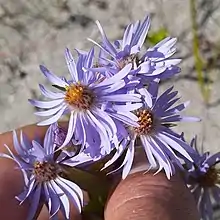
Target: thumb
146,197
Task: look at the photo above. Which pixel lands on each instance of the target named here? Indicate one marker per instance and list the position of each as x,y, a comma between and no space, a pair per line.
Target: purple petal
16,144
50,111
63,198
177,108
171,62
141,34
72,191
117,154
105,40
71,128
129,157
175,144
79,159
147,148
49,140
121,98
102,132
127,107
167,106
111,88
147,97
53,201
35,199
46,104
49,94
54,118
166,148
106,119
25,142
165,45
213,159
153,90
120,75
71,65
31,187
126,117
127,36
39,151
162,159
80,133
52,78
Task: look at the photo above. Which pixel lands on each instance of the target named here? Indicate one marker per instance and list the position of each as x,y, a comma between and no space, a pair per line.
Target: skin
140,196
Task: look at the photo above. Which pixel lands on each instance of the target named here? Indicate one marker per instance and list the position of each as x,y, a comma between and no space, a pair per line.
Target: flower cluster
203,179
114,108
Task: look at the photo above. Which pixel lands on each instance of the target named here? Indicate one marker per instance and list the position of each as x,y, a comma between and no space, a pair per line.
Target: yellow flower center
146,122
210,178
44,171
79,96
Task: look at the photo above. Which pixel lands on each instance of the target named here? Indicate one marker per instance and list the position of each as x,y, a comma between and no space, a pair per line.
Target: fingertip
11,185
31,131
145,197
11,179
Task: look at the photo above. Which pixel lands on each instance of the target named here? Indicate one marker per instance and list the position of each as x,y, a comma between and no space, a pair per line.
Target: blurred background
37,31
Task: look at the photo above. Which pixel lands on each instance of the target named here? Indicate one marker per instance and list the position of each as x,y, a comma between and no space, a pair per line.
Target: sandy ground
36,32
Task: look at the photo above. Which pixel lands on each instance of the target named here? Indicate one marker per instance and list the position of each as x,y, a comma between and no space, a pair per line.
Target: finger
32,131
11,179
146,197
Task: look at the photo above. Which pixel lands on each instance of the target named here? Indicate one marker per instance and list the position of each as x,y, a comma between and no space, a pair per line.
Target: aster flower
203,179
85,97
160,143
43,173
155,63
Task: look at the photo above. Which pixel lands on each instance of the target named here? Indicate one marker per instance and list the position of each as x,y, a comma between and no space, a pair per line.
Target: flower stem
196,53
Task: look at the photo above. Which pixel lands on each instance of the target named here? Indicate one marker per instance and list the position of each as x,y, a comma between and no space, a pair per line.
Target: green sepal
156,36
60,88
169,125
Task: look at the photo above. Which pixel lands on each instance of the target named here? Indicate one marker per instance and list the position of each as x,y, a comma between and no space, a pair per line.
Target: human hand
140,196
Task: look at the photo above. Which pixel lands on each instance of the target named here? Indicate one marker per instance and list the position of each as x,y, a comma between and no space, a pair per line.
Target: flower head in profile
154,63
86,98
43,176
71,148
203,179
159,142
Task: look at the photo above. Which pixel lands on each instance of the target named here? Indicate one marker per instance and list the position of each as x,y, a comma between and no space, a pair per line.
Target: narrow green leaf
60,88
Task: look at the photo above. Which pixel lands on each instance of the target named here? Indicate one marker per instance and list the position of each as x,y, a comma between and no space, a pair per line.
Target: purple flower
203,179
43,173
86,98
155,63
160,143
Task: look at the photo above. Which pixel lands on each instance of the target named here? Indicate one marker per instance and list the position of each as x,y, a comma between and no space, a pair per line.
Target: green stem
96,186
196,53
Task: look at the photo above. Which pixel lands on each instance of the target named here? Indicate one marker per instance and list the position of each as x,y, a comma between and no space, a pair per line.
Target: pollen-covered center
129,59
210,178
79,96
44,171
145,120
